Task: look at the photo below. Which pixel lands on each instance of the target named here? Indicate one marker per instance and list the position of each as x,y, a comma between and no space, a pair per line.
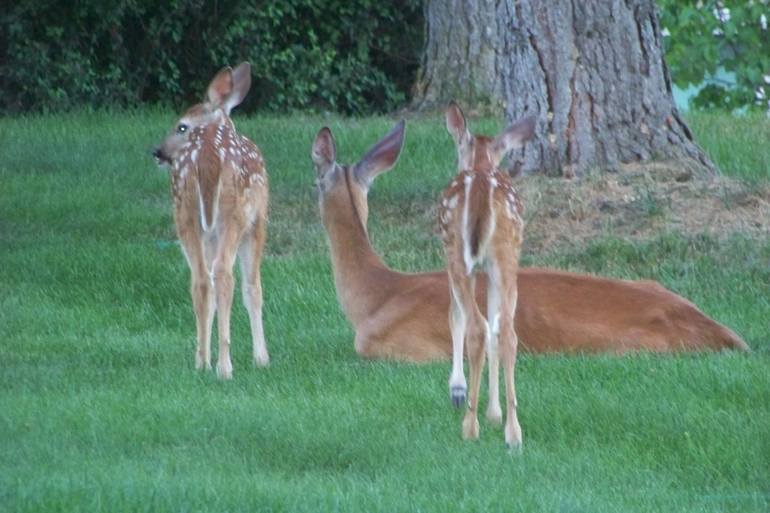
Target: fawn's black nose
160,157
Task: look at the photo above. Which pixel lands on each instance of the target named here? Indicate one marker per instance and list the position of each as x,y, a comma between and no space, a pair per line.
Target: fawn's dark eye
182,128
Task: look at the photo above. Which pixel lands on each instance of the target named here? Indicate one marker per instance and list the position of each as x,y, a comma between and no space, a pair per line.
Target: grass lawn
101,410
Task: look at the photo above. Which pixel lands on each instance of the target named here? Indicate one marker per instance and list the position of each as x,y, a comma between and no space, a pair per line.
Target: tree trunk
592,70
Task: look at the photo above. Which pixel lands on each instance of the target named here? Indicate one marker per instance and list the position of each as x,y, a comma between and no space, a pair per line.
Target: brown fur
220,190
404,316
481,227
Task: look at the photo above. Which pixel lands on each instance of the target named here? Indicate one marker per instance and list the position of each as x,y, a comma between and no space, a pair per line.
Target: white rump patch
202,210
510,208
465,232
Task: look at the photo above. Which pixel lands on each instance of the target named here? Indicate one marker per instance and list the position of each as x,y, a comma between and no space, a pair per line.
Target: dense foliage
725,44
349,56
353,56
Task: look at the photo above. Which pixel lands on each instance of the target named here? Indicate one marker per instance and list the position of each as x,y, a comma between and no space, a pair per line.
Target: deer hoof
262,360
201,363
470,427
513,448
513,436
224,370
457,393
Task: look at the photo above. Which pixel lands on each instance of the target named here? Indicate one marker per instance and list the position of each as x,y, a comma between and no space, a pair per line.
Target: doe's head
341,183
226,91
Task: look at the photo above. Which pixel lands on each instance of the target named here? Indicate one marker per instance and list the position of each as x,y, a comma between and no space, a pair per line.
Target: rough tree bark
592,70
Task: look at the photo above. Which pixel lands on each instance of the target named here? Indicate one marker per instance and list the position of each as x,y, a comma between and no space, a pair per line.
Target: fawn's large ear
220,87
458,129
229,87
241,78
512,137
455,123
324,152
382,156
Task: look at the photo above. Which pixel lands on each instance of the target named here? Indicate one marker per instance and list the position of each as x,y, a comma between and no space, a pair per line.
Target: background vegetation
722,47
351,56
346,56
100,408
103,411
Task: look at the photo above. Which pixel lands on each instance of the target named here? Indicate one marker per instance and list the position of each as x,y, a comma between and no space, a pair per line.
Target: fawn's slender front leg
476,335
224,285
201,287
494,412
467,325
202,293
508,348
250,255
457,321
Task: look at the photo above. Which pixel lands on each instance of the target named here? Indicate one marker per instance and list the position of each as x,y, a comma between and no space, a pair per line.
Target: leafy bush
706,36
351,56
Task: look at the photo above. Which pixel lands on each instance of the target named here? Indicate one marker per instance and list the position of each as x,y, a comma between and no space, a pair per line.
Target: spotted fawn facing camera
480,219
220,191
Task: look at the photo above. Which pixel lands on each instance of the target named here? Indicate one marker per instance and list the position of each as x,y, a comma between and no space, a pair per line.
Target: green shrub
356,56
708,36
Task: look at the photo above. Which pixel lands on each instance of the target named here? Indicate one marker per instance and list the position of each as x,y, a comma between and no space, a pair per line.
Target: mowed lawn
101,409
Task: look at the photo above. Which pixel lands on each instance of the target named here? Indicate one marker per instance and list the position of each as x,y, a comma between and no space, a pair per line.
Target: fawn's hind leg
250,255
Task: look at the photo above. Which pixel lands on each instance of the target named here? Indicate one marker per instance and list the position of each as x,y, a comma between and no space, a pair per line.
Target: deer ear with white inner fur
220,87
241,77
455,123
324,152
382,156
229,87
513,137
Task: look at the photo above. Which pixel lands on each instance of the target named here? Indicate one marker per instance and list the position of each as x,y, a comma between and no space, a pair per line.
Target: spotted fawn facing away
480,219
220,191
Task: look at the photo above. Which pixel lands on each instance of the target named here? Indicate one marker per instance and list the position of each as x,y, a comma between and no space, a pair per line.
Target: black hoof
458,396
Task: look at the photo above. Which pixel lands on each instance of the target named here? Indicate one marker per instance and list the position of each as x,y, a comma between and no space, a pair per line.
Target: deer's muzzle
160,157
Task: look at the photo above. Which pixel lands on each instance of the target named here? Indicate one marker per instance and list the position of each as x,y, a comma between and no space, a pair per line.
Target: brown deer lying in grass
404,315
481,227
220,191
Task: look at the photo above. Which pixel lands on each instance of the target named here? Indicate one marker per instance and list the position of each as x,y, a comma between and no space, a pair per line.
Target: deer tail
478,219
208,194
